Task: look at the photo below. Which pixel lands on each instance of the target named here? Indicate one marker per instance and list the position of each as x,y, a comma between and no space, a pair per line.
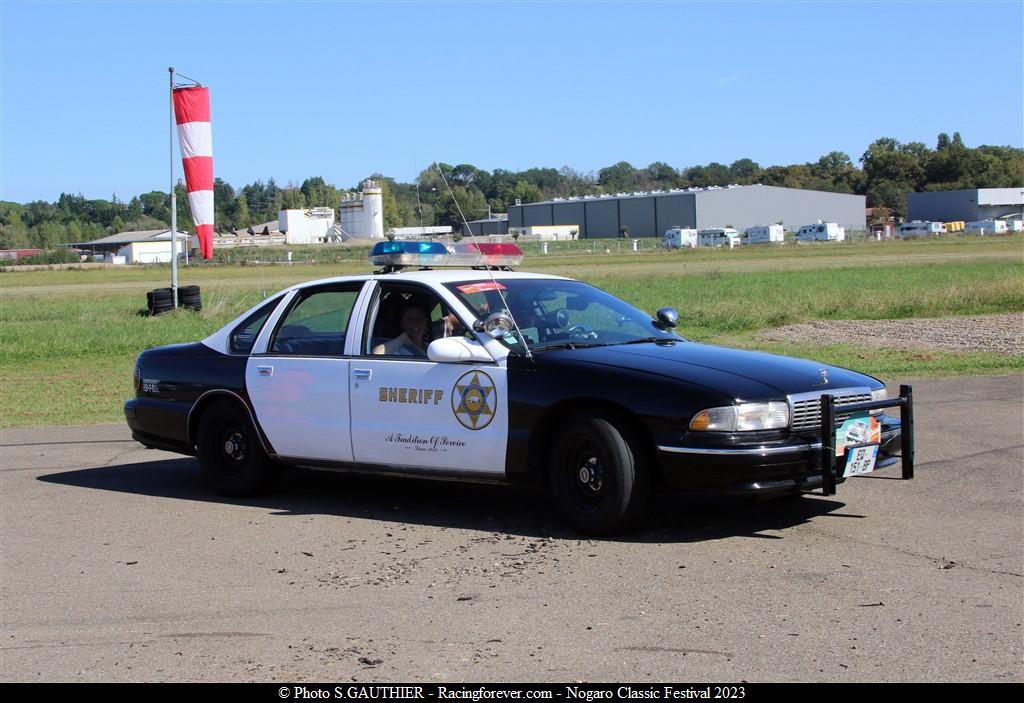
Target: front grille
805,408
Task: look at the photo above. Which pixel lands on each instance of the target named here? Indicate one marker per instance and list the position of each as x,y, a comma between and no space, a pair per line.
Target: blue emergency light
409,254
431,254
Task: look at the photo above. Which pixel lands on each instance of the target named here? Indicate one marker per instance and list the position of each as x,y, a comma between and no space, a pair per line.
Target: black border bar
905,402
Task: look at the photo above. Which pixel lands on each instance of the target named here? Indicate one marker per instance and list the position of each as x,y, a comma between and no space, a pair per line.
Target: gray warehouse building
970,205
651,214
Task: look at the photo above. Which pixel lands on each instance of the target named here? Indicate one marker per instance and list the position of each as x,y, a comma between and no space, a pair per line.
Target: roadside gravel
1003,334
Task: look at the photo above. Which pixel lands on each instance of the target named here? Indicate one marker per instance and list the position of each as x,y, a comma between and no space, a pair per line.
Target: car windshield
559,313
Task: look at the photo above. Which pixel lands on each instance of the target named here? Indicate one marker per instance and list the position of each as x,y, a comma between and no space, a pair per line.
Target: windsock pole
174,203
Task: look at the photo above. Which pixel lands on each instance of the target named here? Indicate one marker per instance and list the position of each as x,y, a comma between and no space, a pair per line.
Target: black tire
598,474
230,453
159,308
189,297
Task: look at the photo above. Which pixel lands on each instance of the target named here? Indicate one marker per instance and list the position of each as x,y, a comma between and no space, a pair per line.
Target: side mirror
667,318
497,324
458,349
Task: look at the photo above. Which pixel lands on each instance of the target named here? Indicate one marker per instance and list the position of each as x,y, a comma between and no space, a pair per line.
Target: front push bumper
789,466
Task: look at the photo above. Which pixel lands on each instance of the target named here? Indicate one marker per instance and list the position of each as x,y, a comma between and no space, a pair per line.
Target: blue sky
343,90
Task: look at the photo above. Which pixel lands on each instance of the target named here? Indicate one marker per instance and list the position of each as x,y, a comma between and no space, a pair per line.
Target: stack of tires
189,298
160,301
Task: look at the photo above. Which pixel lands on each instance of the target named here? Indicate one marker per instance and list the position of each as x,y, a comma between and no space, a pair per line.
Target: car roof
432,277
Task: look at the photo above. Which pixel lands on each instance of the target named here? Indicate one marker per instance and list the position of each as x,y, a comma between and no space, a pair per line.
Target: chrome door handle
265,370
361,374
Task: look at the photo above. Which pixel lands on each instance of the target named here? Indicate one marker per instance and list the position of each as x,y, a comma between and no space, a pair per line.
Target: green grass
891,365
715,303
68,338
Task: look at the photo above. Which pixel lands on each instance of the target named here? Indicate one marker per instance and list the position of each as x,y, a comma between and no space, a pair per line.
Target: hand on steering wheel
581,332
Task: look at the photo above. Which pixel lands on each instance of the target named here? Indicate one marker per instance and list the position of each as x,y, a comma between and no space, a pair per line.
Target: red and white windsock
192,115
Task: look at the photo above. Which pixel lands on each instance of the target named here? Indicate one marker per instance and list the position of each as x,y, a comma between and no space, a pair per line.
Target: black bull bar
828,433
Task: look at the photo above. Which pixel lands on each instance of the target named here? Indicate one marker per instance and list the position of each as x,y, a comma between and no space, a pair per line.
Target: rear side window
316,324
244,336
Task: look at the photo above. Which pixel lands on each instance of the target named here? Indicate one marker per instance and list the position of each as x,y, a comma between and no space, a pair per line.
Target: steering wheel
581,332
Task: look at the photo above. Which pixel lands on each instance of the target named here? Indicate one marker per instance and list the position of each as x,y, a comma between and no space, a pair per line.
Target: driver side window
406,320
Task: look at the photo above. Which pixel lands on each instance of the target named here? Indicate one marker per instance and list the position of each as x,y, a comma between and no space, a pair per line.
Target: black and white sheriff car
481,373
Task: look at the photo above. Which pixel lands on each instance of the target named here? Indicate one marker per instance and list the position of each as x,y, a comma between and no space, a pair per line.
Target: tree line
888,170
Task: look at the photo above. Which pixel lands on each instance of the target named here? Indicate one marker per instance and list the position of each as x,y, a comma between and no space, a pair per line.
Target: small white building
138,247
309,226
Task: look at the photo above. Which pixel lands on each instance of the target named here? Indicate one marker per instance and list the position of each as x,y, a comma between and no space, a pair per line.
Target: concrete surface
118,564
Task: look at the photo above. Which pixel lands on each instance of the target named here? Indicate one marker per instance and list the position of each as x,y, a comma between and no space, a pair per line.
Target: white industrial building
309,226
361,215
968,204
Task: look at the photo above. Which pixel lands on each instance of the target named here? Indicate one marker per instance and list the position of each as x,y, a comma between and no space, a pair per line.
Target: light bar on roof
498,254
409,254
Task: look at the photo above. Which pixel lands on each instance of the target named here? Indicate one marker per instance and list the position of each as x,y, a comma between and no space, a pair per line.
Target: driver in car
413,339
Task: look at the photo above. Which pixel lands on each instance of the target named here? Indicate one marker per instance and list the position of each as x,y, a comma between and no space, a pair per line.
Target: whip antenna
490,272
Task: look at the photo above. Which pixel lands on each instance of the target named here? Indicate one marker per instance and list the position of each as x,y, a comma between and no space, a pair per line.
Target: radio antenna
490,272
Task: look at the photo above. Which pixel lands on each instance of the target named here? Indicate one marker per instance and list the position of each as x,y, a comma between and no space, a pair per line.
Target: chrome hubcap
590,475
234,446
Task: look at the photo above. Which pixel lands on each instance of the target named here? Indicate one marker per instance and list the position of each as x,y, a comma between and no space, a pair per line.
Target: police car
446,363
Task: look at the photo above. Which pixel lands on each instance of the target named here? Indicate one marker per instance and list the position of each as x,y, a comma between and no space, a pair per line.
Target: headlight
880,394
742,418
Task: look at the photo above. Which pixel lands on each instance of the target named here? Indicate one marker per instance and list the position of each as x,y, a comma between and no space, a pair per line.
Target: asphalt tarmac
118,564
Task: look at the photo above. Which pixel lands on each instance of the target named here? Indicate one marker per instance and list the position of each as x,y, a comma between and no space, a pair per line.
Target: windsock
192,115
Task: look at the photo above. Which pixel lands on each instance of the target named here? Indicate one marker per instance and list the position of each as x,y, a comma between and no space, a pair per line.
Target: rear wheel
598,475
231,456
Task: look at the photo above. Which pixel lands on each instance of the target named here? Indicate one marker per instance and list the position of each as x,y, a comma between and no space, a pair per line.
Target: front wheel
231,456
598,476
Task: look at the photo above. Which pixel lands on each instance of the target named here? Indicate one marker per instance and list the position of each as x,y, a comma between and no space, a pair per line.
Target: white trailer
764,234
717,237
987,227
821,232
920,228
680,238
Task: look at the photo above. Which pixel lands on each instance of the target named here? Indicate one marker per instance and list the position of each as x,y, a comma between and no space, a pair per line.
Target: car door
409,411
299,386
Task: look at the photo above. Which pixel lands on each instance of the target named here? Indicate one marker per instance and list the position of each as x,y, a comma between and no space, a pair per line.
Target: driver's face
414,324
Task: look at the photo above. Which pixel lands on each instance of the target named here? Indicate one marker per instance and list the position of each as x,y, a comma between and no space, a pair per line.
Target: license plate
858,438
860,460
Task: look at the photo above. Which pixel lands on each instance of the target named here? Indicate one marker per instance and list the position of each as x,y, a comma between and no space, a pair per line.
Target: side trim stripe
757,451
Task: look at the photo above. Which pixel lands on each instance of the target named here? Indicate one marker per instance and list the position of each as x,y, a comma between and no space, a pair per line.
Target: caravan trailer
984,227
919,228
717,237
821,232
680,238
764,234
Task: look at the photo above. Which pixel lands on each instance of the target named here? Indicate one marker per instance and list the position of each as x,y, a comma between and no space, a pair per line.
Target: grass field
68,338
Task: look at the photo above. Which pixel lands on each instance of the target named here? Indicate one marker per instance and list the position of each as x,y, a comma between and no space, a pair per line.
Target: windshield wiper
647,340
570,345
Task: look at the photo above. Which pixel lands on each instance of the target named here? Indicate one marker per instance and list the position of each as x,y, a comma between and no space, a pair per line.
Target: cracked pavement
118,564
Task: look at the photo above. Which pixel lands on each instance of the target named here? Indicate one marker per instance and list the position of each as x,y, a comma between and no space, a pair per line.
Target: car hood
744,375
